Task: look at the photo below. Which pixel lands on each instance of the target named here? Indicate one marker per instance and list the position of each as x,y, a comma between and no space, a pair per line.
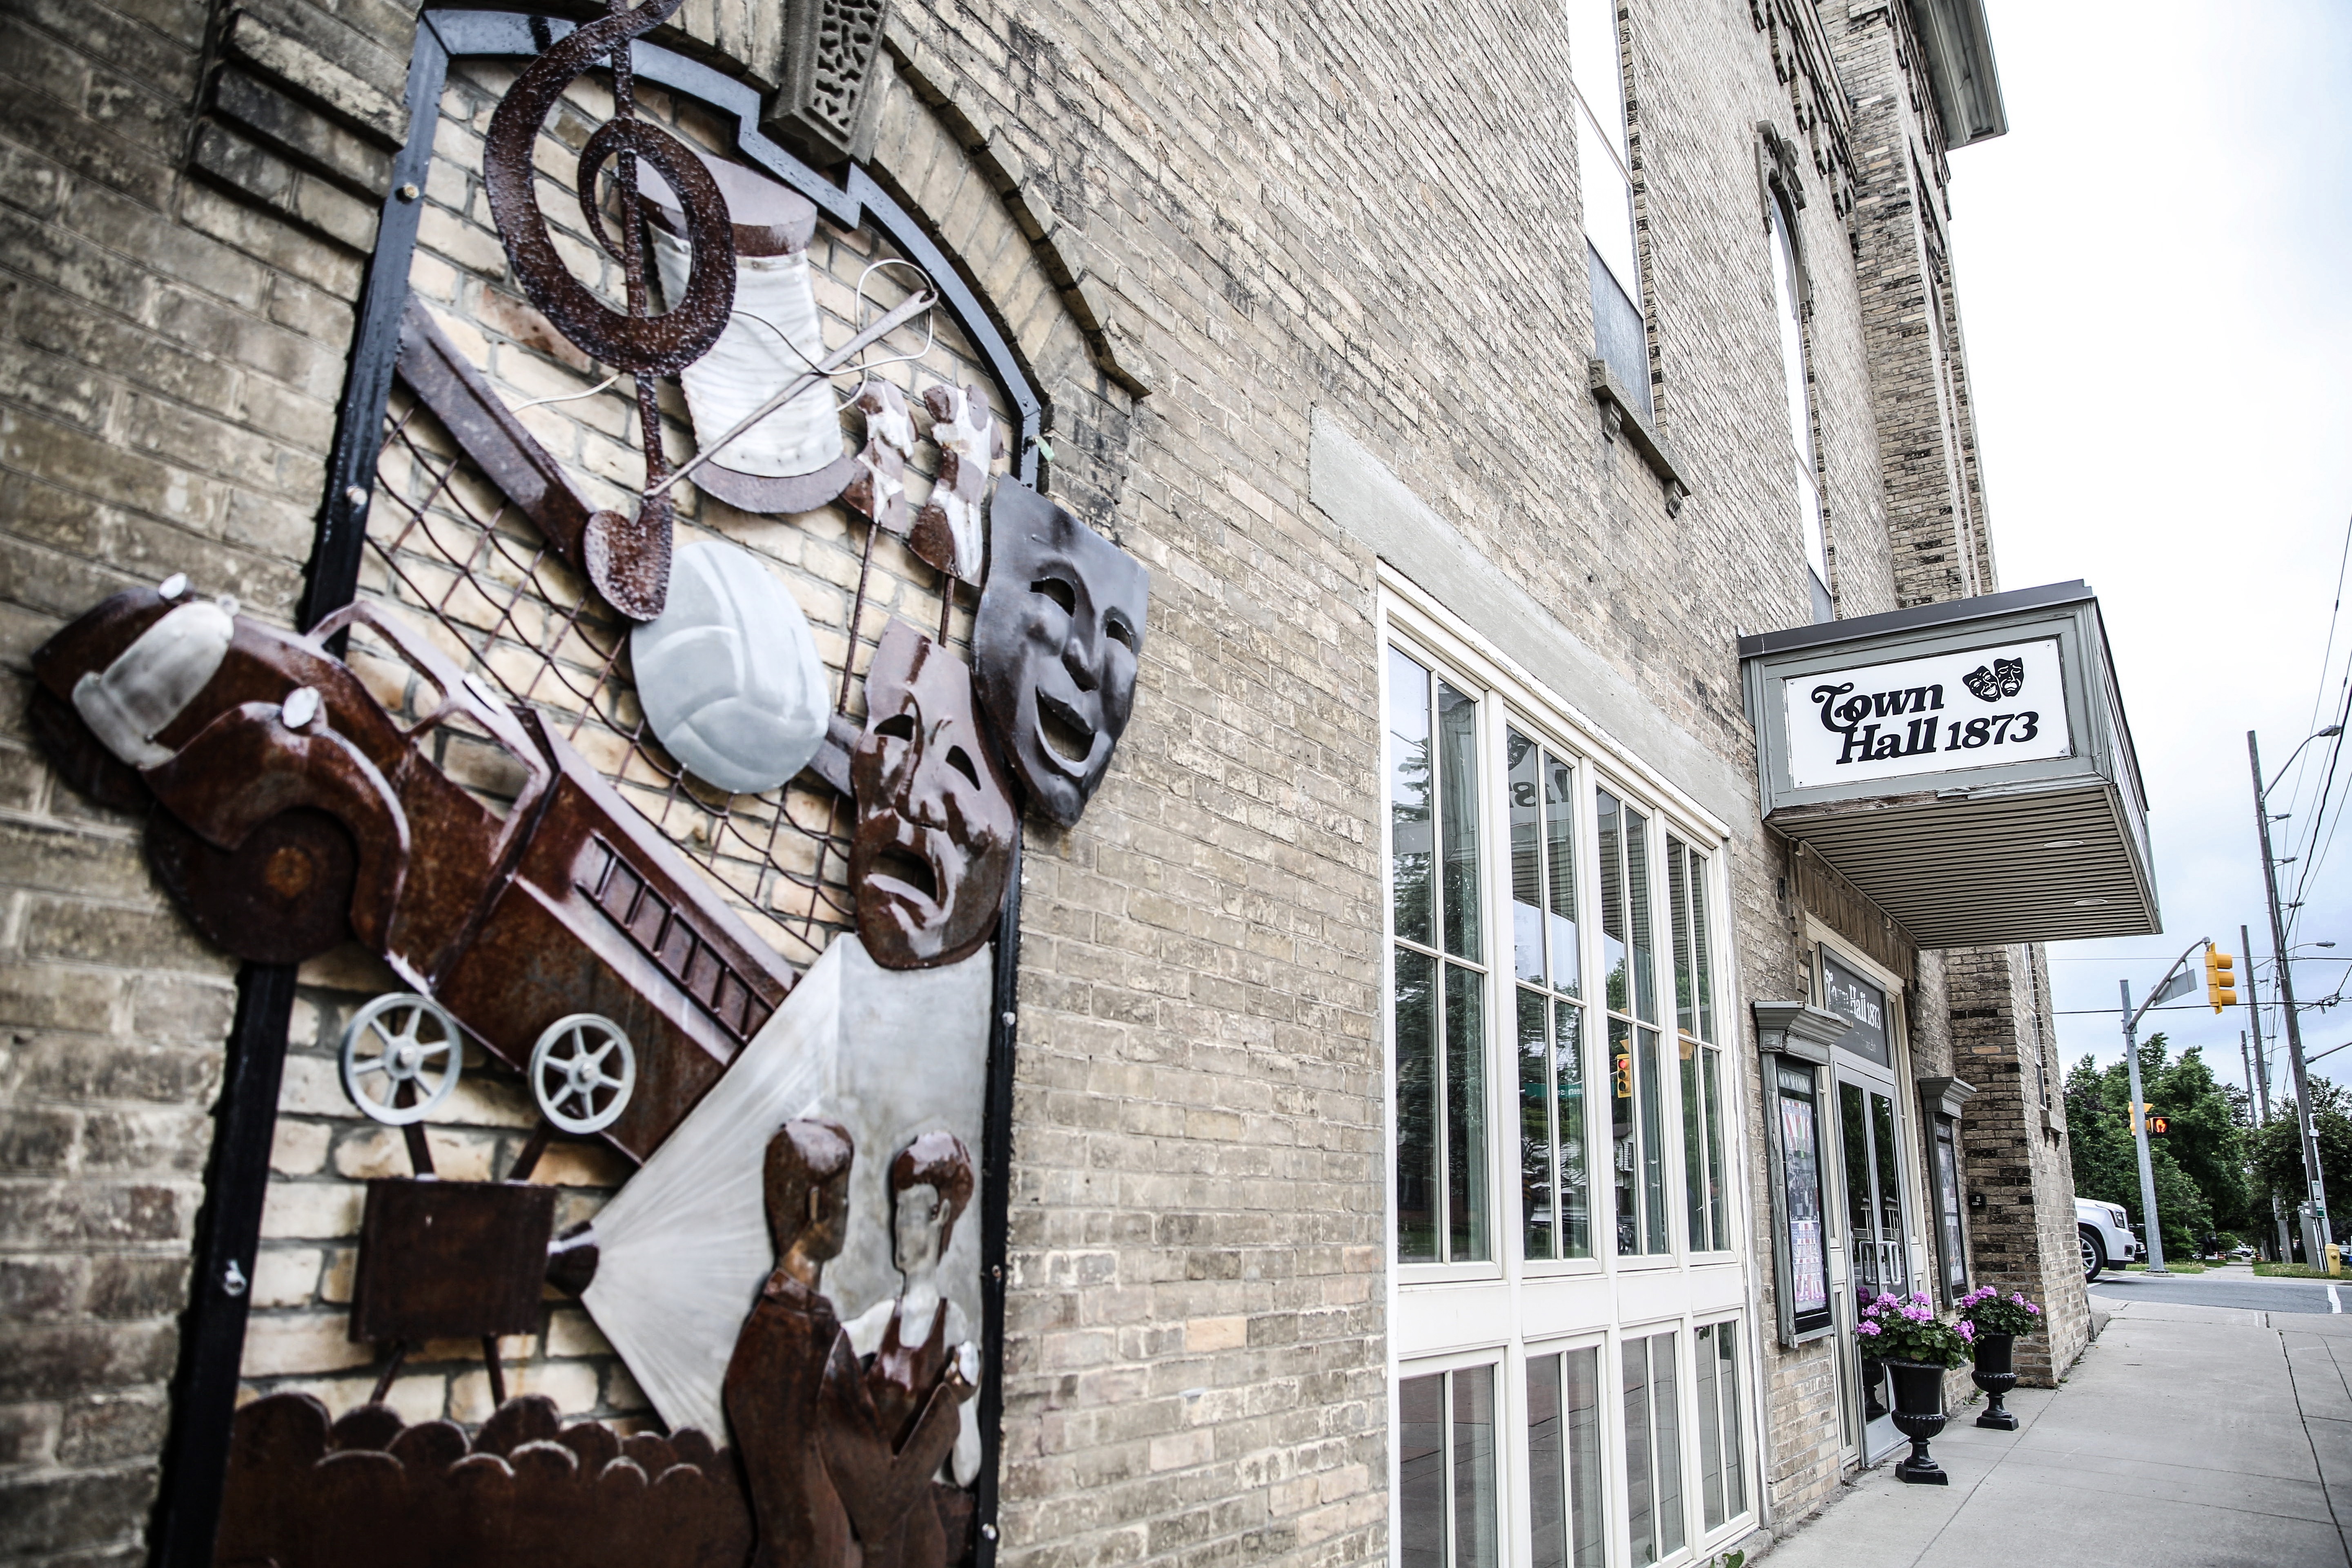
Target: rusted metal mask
936,823
1057,640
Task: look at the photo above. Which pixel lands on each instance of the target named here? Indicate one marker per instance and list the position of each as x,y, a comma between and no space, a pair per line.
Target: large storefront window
1446,1469
1653,1448
1555,1185
1722,1471
1559,998
1630,962
1704,1174
1440,1001
1564,1438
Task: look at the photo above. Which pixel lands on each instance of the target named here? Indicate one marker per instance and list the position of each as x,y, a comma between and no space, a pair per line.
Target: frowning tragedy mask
1059,629
935,816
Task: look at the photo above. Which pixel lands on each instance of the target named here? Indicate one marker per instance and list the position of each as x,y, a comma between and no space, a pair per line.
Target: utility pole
2246,1060
2139,1128
2263,1077
2254,1018
2285,974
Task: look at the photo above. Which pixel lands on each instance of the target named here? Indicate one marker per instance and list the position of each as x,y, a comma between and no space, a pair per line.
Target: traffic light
1621,1073
2220,981
2157,1126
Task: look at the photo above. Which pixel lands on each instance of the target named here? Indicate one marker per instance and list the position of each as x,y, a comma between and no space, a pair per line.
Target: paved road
2231,1285
2187,1436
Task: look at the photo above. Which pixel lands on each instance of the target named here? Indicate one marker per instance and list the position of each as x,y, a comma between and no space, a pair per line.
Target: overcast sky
2152,271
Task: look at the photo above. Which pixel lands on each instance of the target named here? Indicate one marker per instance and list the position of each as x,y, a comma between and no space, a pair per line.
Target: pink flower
2033,1309
1967,1330
1867,1328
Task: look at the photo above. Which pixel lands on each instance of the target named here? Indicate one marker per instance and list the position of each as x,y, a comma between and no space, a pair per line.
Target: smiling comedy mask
935,817
1059,629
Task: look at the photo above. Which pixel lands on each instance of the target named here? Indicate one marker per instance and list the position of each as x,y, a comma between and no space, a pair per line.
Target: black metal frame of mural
187,1511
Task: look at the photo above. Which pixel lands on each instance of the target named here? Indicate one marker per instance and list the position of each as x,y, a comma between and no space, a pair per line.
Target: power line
2315,816
2327,654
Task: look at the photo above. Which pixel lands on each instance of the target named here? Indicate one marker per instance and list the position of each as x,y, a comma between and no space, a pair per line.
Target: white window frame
1504,1311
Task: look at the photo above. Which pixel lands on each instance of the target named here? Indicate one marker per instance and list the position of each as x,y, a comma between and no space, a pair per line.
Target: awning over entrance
1966,765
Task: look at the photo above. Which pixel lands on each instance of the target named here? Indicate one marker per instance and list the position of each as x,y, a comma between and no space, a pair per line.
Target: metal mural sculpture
1058,634
532,911
935,817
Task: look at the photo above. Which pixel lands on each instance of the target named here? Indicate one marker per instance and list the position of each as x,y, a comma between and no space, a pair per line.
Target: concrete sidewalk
2196,1436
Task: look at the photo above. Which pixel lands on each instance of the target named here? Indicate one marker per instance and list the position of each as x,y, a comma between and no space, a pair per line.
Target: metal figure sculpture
887,1429
948,532
785,1356
627,558
878,488
1059,630
934,819
920,1340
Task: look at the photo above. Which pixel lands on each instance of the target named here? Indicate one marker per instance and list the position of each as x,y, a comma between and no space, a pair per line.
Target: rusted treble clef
627,558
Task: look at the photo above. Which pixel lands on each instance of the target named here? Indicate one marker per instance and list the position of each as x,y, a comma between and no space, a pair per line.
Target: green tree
2276,1152
2198,1168
2208,1136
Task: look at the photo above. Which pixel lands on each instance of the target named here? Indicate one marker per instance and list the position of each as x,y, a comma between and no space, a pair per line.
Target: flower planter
1996,1375
1918,1415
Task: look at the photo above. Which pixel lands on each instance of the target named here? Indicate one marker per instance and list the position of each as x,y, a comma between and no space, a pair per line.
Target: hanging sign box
1966,765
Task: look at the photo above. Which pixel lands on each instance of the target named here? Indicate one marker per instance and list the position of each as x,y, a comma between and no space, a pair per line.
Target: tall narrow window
1445,1470
1439,1006
1564,1459
1654,1449
1635,1084
1555,1184
1722,1467
1789,297
1604,167
1702,1070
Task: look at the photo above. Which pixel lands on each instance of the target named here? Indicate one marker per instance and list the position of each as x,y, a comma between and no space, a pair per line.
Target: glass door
1877,1247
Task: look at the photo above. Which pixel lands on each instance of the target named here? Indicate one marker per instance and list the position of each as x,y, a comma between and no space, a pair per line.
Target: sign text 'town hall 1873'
1939,714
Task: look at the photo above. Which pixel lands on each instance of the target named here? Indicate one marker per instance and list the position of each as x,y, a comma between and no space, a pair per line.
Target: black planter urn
1918,1415
1996,1376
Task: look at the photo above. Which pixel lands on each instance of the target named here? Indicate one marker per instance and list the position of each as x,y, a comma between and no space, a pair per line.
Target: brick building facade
1309,306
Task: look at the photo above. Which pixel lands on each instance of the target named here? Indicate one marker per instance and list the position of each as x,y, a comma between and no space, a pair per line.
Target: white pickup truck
2107,1236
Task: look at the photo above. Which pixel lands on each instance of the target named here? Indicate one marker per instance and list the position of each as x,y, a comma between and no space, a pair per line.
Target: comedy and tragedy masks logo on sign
2005,679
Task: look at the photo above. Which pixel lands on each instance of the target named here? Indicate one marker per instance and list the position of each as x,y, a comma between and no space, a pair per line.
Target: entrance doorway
1877,1244
1872,1196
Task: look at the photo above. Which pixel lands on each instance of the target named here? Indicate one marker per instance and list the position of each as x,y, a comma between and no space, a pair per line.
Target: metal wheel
582,1072
402,1039
2095,1257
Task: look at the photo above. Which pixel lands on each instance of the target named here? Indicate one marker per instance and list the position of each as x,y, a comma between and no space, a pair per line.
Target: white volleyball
729,674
